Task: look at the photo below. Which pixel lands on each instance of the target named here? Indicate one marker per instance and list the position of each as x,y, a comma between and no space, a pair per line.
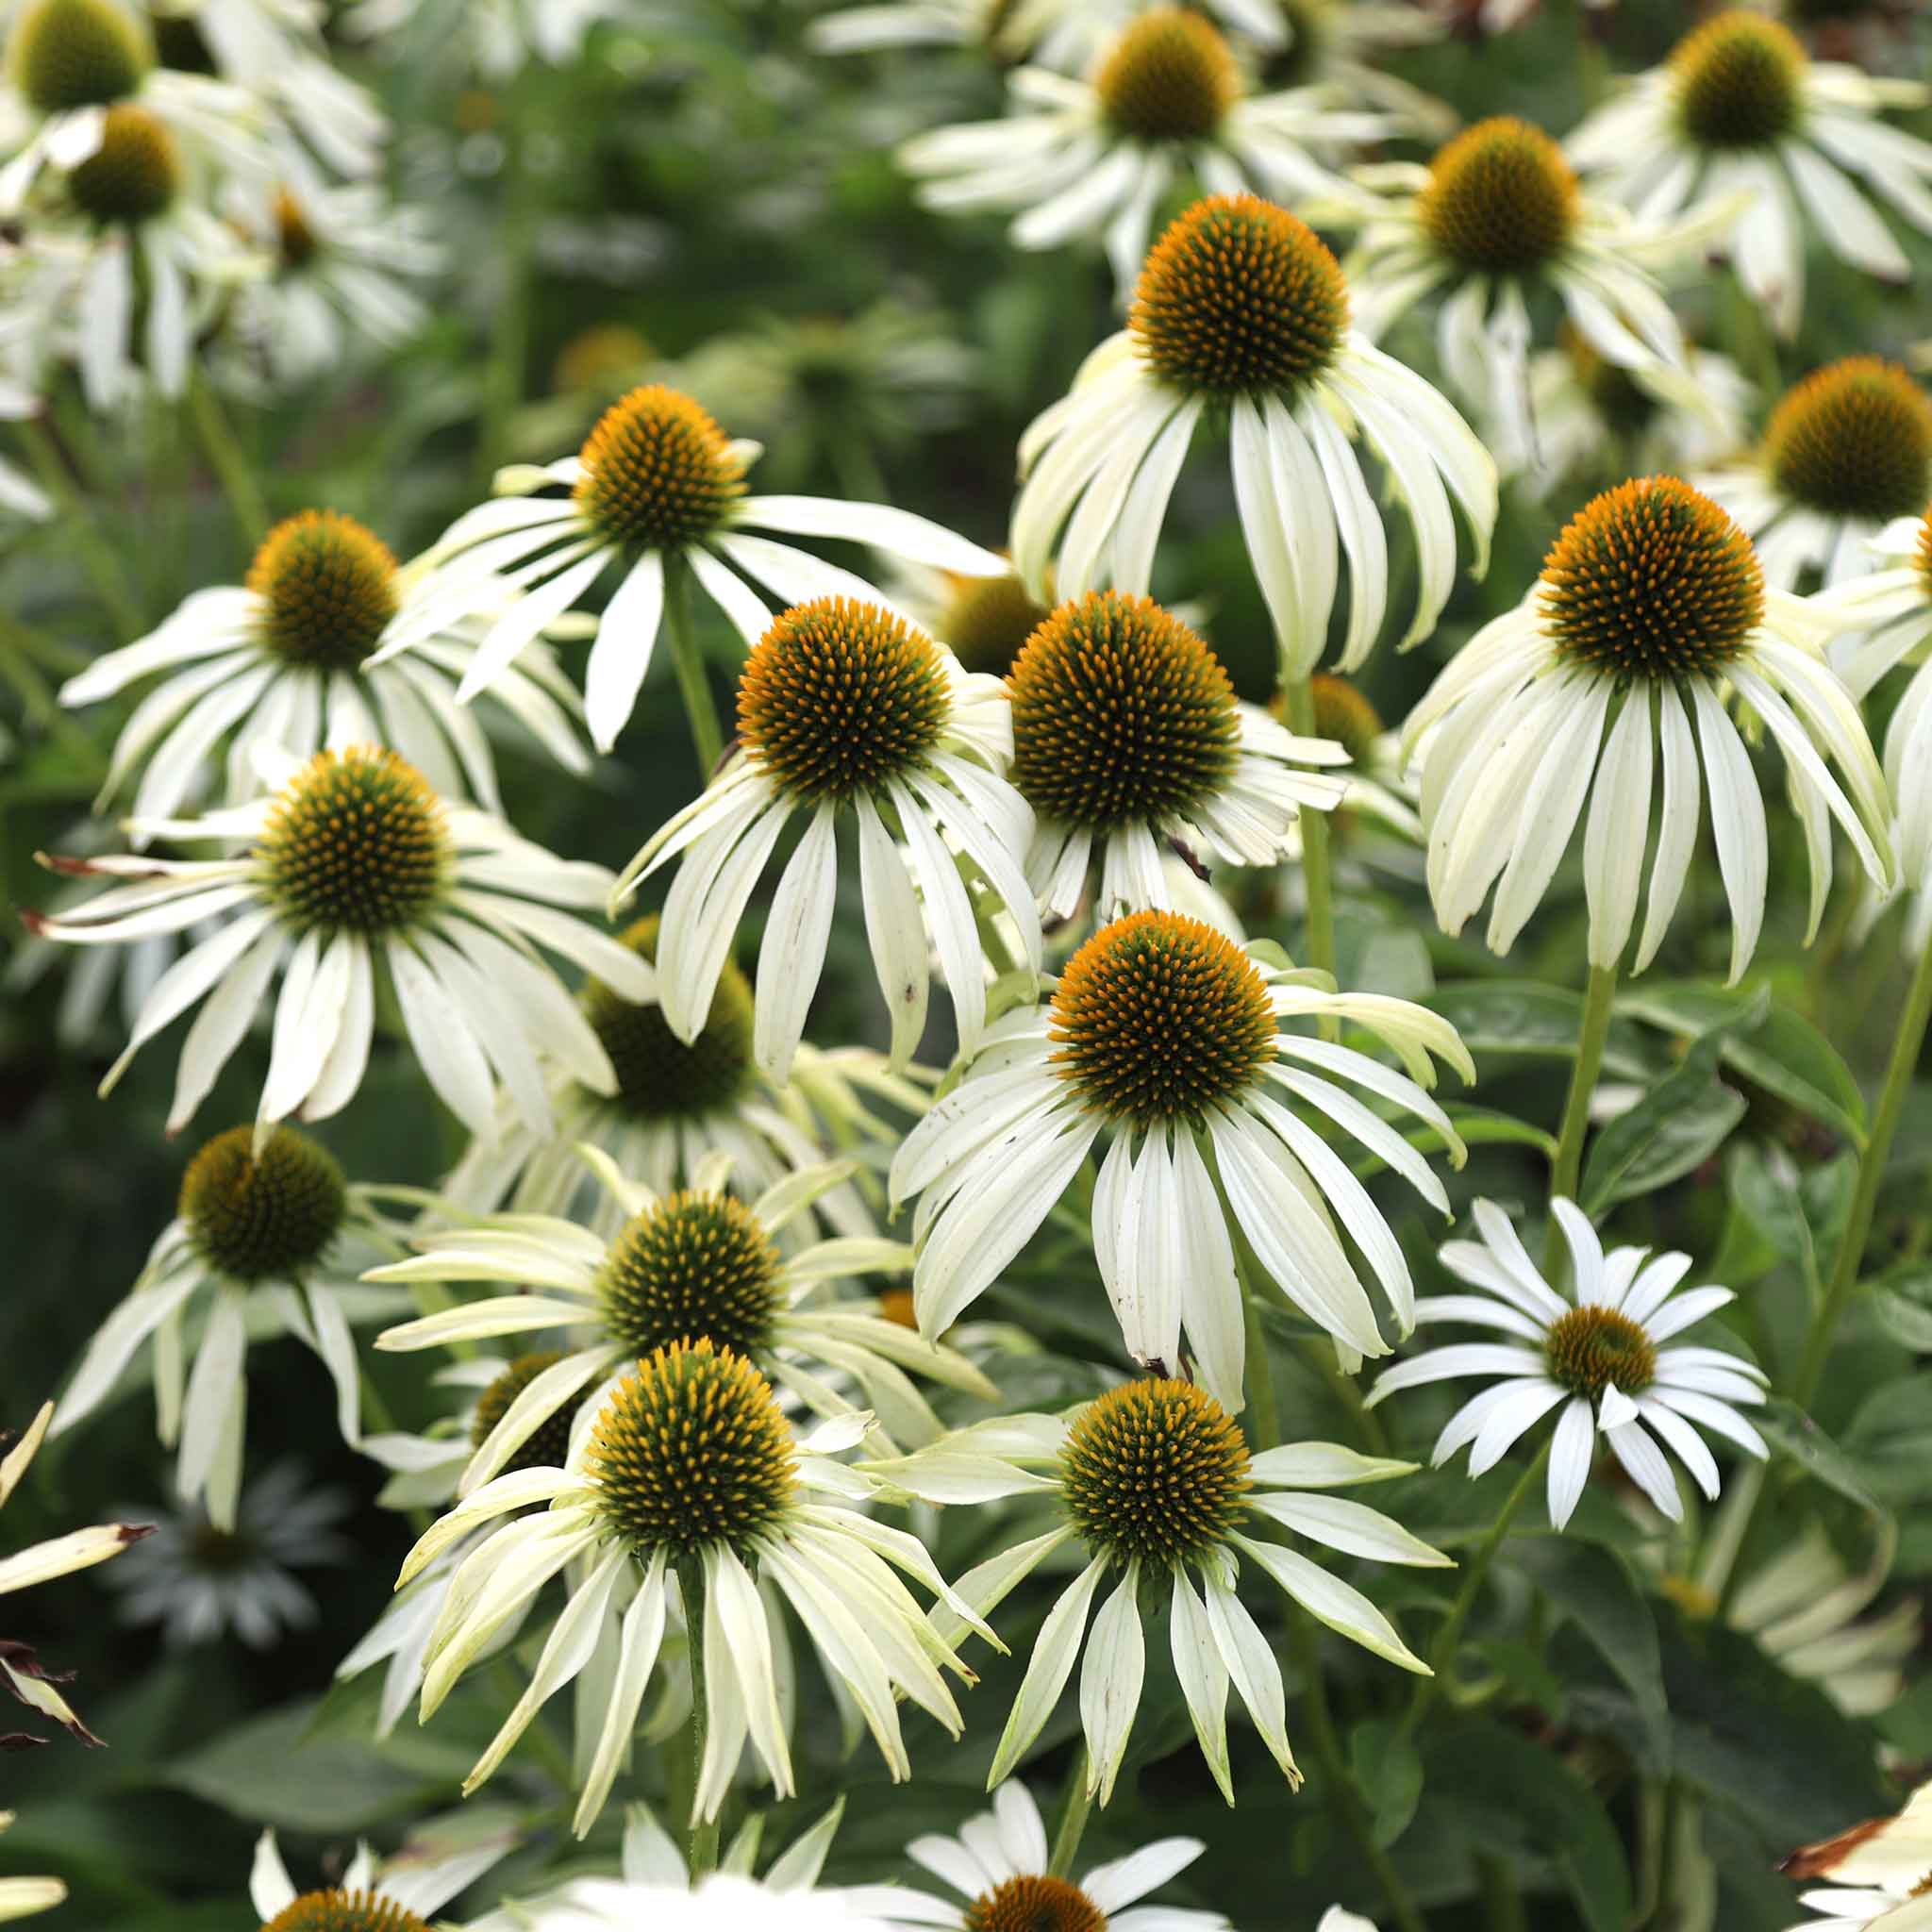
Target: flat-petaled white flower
1740,109
1158,1482
843,705
1600,1355
271,1239
1166,103
1128,736
1585,409
21,1898
688,1481
22,1674
352,869
344,260
656,491
1847,451
400,1894
1492,222
1880,621
1165,1034
1879,1874
998,1865
1241,314
284,661
677,1104
1651,616
699,1264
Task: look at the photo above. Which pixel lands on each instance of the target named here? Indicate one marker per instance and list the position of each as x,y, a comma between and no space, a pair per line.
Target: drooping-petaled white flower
1651,617
1241,312
699,1264
1158,1483
271,1235
1847,451
1740,109
686,1480
1594,418
1879,1874
1599,1355
1164,1033
22,1674
999,1864
1492,222
1054,33
400,1894
844,706
656,491
677,1104
284,662
352,869
345,265
1128,736
1166,103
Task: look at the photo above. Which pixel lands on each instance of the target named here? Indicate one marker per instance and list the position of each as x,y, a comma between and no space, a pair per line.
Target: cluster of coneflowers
715,1296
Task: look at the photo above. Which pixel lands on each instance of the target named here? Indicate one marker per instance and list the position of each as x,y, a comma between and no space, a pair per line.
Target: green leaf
1786,1427
1891,1440
1480,1126
1518,1016
1774,1210
1594,1588
1783,1052
1389,1772
274,1771
1684,1119
1901,1300
1510,1795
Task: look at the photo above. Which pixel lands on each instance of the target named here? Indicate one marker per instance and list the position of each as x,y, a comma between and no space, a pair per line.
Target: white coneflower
1055,33
1128,736
284,662
998,1865
844,707
1879,1874
399,1895
1651,616
1164,1033
1494,220
343,260
22,1674
1241,312
677,1103
352,869
658,489
688,1479
1158,1482
985,620
272,1237
1741,109
1601,1356
1166,103
1586,410
696,1265
1847,451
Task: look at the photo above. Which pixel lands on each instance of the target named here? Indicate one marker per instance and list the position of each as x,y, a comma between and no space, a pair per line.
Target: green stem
1443,1654
229,461
1077,1803
103,564
703,1833
1328,1748
1298,702
1590,1059
1906,1046
1502,1903
693,686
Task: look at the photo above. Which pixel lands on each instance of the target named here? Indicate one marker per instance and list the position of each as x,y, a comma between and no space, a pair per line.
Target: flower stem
707,736
1076,1803
1328,1748
704,1833
1590,1059
1906,1046
1443,1653
227,459
1298,702
101,563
